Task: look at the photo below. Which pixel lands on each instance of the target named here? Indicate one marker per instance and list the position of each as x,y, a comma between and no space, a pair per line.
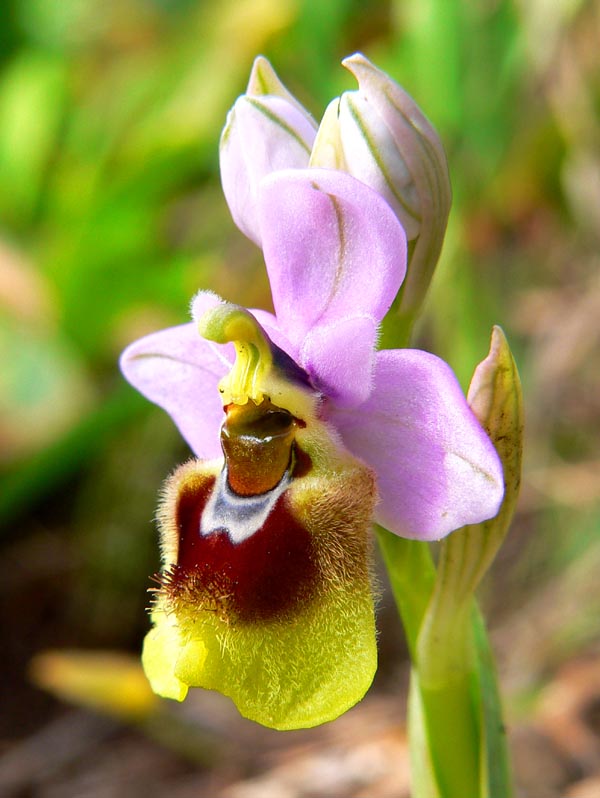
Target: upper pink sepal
336,257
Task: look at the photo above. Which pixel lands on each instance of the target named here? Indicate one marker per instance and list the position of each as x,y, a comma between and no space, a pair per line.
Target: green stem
446,672
452,731
495,763
412,577
455,728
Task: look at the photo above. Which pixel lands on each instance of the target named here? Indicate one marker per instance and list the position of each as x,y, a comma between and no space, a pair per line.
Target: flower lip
232,555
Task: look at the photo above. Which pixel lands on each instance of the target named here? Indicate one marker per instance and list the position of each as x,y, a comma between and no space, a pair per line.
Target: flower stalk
454,707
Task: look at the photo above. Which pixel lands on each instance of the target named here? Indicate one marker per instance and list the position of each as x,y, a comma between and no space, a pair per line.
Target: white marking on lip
239,516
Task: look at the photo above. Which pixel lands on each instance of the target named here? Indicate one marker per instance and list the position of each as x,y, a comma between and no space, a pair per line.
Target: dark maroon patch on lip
261,578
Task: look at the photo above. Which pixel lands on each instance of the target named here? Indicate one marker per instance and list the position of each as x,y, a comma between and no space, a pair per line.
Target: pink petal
437,469
333,249
262,135
341,372
179,371
336,257
326,346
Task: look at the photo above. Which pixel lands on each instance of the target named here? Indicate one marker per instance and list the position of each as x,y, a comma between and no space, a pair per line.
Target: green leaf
424,784
32,95
495,770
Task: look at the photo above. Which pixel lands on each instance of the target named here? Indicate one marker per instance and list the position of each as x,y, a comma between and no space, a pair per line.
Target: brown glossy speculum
257,441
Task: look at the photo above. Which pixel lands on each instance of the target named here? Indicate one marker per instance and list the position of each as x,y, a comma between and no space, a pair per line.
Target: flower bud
266,130
496,398
381,137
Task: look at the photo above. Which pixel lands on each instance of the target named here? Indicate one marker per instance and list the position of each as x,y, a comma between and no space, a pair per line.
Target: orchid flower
304,435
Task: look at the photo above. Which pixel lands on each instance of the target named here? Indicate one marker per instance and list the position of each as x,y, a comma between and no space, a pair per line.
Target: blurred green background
112,217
